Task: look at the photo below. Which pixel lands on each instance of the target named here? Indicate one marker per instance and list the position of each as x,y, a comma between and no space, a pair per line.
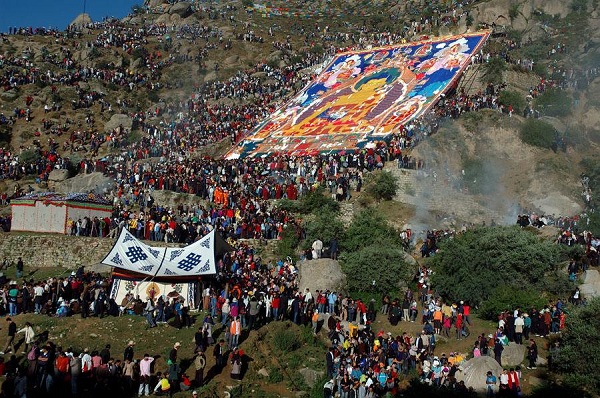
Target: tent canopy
199,258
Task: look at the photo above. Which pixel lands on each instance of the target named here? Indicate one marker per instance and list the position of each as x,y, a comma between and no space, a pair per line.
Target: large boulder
311,376
81,20
513,354
474,371
93,182
118,120
58,175
591,284
321,274
183,9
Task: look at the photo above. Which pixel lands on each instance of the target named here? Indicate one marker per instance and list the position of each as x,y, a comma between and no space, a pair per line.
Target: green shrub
317,200
554,102
377,268
381,185
493,70
288,244
285,340
509,298
368,228
471,266
275,375
508,97
325,226
538,133
29,156
582,330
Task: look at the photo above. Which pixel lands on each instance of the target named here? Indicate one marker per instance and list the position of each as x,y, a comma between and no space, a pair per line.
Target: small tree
494,71
577,358
382,185
377,268
368,228
471,266
325,226
538,133
508,97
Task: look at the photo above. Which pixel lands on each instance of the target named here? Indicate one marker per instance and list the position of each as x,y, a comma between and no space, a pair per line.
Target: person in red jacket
514,384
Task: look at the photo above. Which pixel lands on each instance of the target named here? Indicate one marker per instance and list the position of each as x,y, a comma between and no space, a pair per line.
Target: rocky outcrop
474,371
118,120
320,274
183,9
513,354
591,284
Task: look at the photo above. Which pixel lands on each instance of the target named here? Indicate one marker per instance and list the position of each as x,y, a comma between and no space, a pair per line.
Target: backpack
31,354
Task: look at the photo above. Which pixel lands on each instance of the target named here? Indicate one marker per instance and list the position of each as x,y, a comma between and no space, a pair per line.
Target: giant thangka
363,97
130,254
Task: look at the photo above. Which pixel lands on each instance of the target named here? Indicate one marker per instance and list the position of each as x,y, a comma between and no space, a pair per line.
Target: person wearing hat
199,365
128,353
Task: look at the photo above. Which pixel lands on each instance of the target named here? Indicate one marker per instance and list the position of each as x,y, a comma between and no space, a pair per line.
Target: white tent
197,259
153,271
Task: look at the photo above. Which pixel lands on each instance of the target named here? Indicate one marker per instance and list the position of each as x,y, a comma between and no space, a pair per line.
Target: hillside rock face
591,284
118,120
95,182
183,9
498,12
320,274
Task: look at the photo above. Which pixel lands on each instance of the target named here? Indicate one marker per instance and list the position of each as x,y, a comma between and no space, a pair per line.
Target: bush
288,244
508,97
574,358
509,298
471,266
494,71
381,185
285,340
275,375
317,201
29,156
554,102
377,268
538,133
325,226
368,228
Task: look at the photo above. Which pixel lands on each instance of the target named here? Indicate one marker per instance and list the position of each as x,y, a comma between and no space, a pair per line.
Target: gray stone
540,361
210,76
321,274
263,372
311,376
183,9
9,95
474,371
58,175
513,354
232,60
118,120
591,284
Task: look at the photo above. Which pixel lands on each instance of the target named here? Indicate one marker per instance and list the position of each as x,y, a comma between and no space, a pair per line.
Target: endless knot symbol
190,262
135,254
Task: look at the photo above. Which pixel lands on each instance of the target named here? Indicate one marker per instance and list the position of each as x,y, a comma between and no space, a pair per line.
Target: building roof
67,197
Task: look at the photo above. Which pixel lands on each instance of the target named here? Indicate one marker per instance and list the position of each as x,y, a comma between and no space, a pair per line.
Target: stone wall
49,250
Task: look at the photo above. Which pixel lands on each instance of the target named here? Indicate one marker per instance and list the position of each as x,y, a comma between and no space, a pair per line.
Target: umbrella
173,294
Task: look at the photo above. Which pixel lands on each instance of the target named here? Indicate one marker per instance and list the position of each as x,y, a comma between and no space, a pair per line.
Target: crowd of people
247,292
